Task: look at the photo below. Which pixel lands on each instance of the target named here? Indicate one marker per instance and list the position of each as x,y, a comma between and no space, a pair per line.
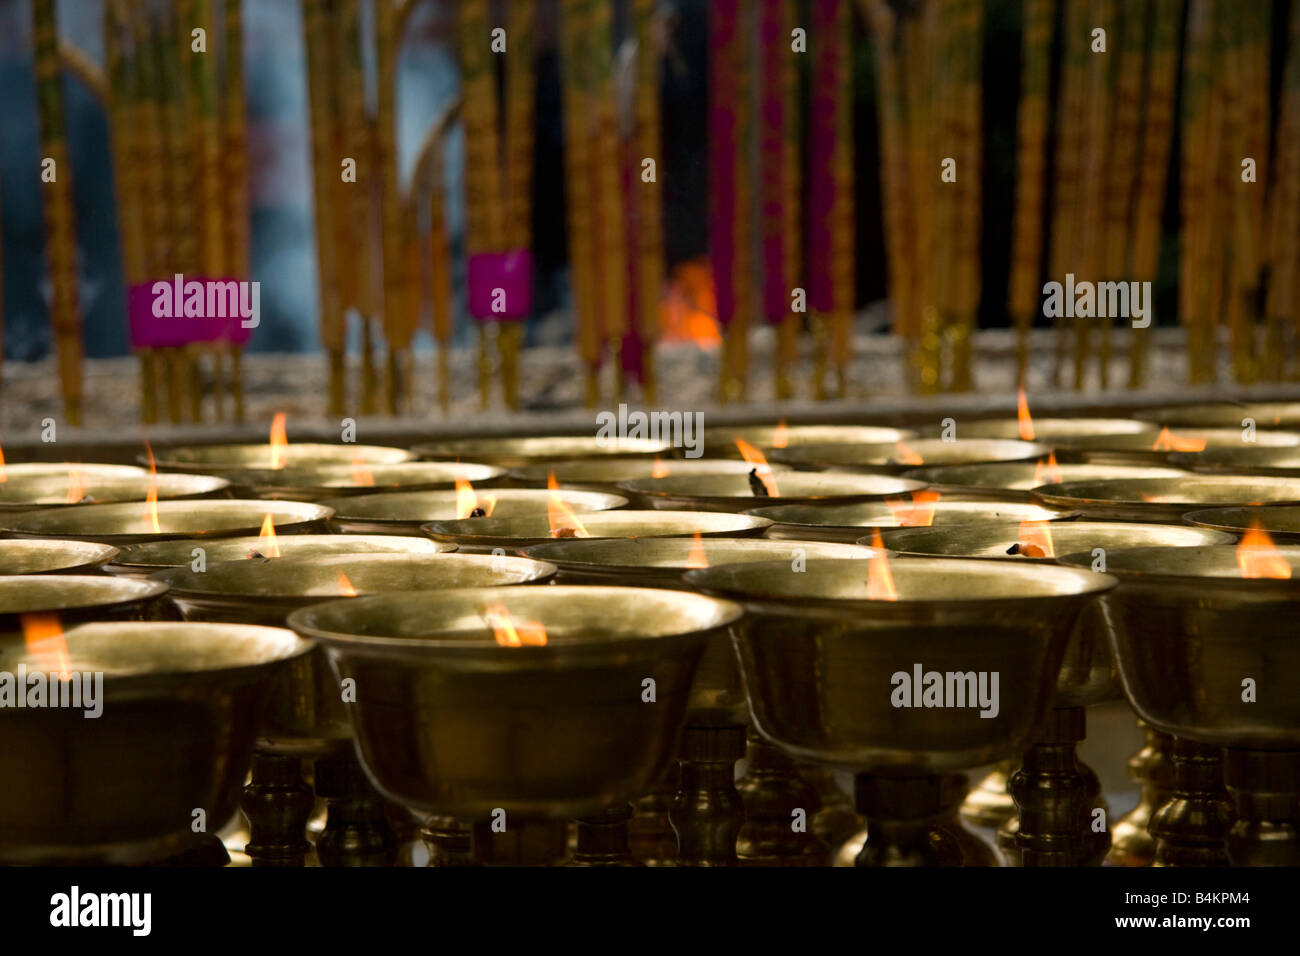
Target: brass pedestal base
450,842
707,811
779,811
836,821
912,821
1192,828
1265,790
602,840
1151,767
989,804
357,831
277,802
650,833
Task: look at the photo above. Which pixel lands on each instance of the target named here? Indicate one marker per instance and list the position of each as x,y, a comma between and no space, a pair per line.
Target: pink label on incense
501,285
173,328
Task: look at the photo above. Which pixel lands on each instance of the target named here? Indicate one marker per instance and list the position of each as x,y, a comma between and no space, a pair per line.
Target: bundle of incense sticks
967,139
645,231
60,226
393,241
1283,299
236,198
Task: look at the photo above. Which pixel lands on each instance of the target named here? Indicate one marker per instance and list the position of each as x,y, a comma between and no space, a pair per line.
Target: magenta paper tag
501,285
149,330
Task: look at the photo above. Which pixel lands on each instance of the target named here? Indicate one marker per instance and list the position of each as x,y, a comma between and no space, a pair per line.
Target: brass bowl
153,556
220,459
180,705
1145,450
1187,629
1225,415
306,713
1282,522
513,534
75,598
46,469
516,452
1243,459
448,721
736,492
52,555
1088,675
403,512
720,441
1165,499
1051,430
317,482
1015,480
76,488
848,523
604,474
819,657
894,458
129,523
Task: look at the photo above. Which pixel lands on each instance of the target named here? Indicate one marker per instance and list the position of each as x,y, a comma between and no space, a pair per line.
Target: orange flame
279,441
1168,441
660,469
151,497
76,486
3,477
905,454
918,514
467,501
689,307
511,633
1036,540
1258,557
345,586
696,558
1022,415
880,580
1047,471
759,461
781,437
271,548
564,523
361,474
44,638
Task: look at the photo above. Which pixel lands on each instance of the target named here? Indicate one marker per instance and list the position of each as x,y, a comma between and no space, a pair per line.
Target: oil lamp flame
781,437
1022,416
1035,540
660,469
1258,557
279,441
468,504
689,306
696,558
270,545
905,454
880,579
762,470
345,586
563,522
1047,471
3,477
1168,441
511,633
44,638
151,497
76,486
918,514
361,474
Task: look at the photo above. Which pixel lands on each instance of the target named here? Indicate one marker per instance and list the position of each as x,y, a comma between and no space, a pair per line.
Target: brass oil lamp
120,524
146,558
759,487
1050,431
1279,522
1142,449
316,482
222,459
1164,499
1282,415
74,487
734,441
403,512
1015,480
52,555
605,474
849,523
515,534
518,452
76,598
894,458
1243,459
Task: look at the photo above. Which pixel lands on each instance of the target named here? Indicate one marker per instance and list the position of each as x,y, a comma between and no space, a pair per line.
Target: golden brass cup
68,489
1241,460
52,555
1049,431
605,474
1015,480
75,598
448,721
151,556
1225,415
317,482
220,459
1165,499
894,458
1281,522
180,707
306,713
513,534
740,492
403,512
517,452
720,441
849,523
121,524
1144,450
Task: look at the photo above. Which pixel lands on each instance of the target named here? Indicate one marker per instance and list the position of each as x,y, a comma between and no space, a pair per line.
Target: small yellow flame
880,579
279,441
511,633
1022,415
1258,556
271,545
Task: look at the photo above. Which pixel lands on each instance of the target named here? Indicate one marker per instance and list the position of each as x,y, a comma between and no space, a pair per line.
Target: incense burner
1015,480
403,512
151,556
849,523
70,488
317,482
516,452
1165,499
741,492
179,707
894,458
1280,522
221,459
52,555
514,534
446,718
121,524
605,474
720,441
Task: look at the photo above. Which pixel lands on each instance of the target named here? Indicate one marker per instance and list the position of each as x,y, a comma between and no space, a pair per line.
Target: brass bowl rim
930,473
554,551
1156,413
131,590
306,478
128,552
462,529
91,554
893,535
579,499
1204,518
1059,493
1058,514
300,512
807,454
653,487
538,472
1045,423
1173,578
167,458
510,445
168,485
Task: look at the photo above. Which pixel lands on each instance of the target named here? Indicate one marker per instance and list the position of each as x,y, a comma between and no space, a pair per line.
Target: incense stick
234,152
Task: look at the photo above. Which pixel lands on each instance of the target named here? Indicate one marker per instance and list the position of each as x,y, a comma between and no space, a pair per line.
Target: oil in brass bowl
513,534
75,598
821,659
1165,499
155,555
1225,415
69,488
1245,459
1015,480
52,555
1088,675
1145,450
517,452
316,482
447,720
179,706
306,711
130,523
220,459
1281,522
894,458
605,474
1188,628
403,512
848,523
740,492
720,441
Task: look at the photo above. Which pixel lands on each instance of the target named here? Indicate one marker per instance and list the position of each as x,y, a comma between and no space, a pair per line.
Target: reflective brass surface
70,488
447,721
44,469
153,555
737,492
1146,450
1187,629
1165,499
604,474
1241,460
220,459
130,523
720,441
315,482
1225,414
849,523
181,704
1050,430
49,555
516,533
1282,522
516,452
403,512
74,598
894,458
817,655
1014,480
